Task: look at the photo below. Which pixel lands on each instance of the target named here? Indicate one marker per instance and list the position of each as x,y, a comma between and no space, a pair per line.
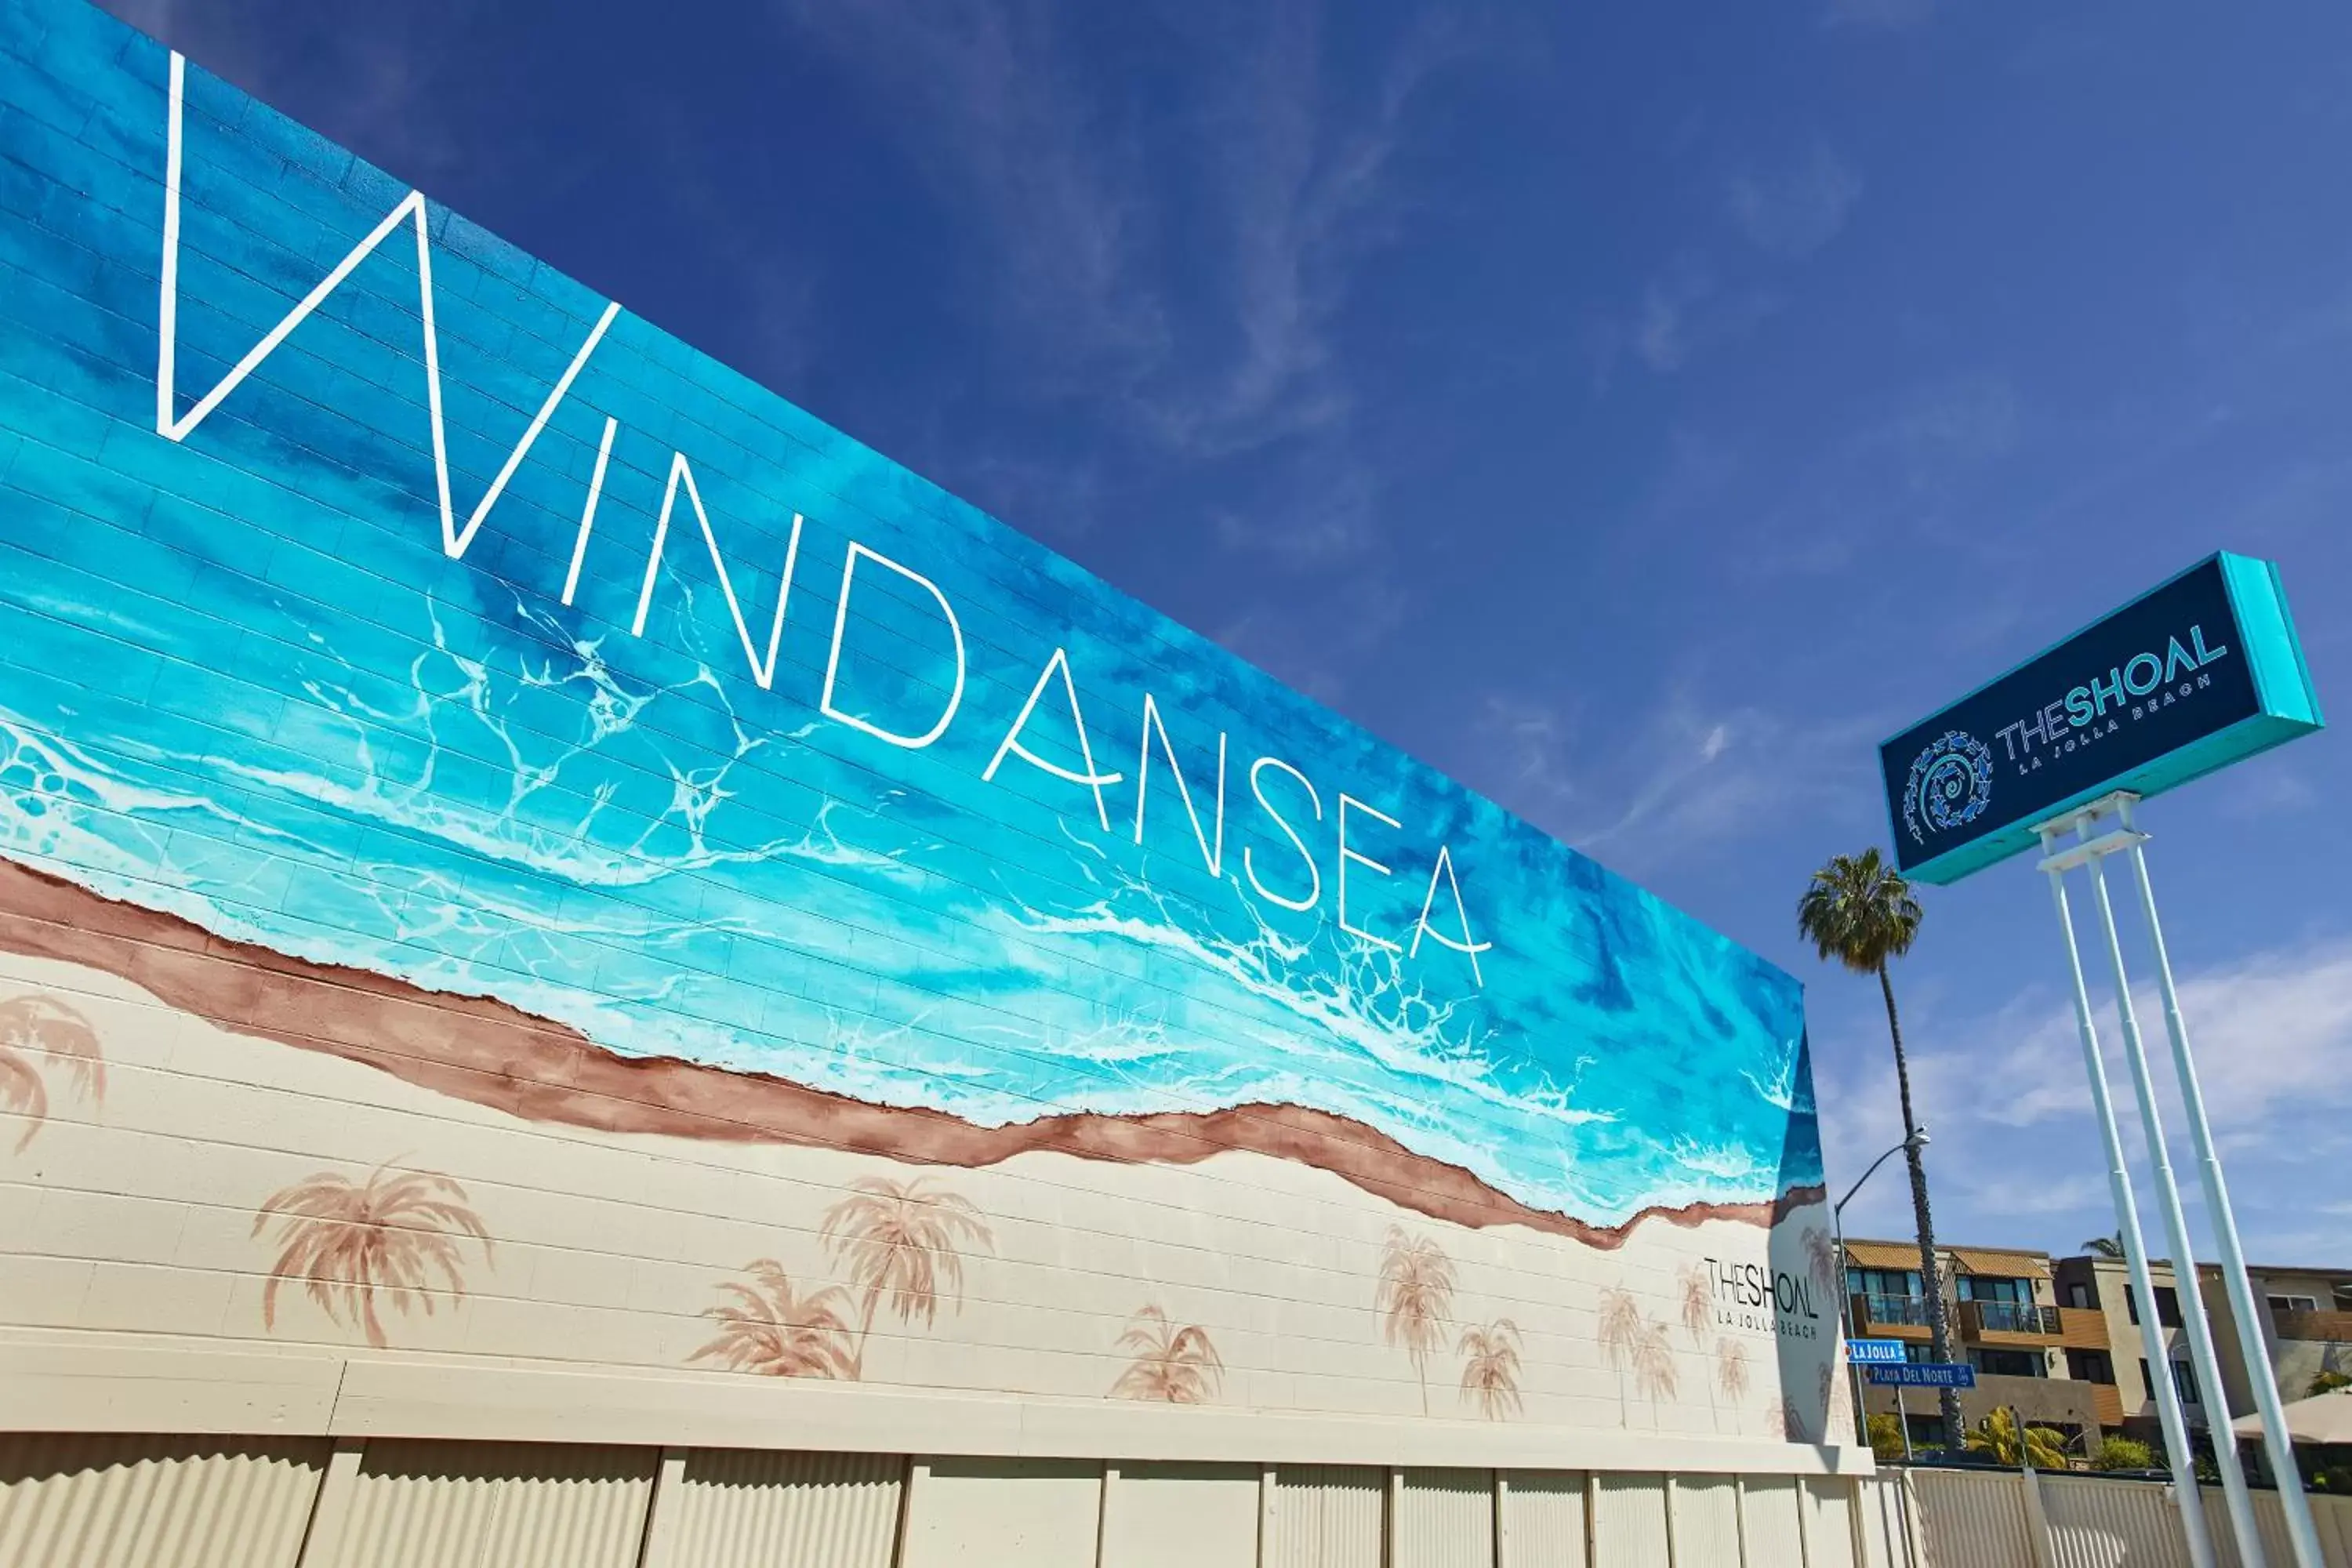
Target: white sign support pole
2198,1331
2276,1443
2168,1398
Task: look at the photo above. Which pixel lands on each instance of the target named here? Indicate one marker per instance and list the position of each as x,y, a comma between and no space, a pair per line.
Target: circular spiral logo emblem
1950,784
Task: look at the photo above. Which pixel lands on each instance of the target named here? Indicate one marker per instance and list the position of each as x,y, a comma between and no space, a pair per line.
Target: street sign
2185,679
1924,1375
1876,1353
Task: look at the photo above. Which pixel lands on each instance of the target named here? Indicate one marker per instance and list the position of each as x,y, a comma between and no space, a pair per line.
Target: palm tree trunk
1939,1329
864,1327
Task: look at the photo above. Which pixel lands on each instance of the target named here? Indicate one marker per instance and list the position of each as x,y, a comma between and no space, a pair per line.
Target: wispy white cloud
2004,1095
1794,209
1684,309
1693,778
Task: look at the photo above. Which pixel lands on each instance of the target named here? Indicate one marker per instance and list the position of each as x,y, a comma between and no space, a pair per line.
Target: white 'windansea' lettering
175,426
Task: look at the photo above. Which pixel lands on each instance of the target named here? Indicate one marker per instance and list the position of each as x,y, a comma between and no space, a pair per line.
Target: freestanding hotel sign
2189,678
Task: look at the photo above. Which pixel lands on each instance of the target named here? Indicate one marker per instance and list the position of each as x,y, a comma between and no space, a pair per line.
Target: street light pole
1916,1141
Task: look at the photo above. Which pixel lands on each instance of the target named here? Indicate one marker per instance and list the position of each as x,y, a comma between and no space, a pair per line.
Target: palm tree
1695,1295
1173,1365
1995,1436
1653,1359
42,1030
1731,1372
1620,1330
901,1242
764,1328
2105,1246
347,1241
1860,911
1414,1298
1490,1374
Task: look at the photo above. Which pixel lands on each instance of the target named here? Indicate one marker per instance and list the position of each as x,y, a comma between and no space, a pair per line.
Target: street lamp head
1919,1139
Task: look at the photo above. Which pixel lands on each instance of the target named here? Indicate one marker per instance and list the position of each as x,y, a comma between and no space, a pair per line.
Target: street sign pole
2193,1528
2277,1441
2168,1204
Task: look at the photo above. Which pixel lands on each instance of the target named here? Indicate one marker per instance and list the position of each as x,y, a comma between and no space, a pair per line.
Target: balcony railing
2007,1318
1910,1311
2323,1327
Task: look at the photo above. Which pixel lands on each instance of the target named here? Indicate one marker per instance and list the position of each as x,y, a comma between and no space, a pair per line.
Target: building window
2167,1306
2081,1295
1993,1287
1882,1282
2090,1366
2293,1303
2008,1364
2184,1381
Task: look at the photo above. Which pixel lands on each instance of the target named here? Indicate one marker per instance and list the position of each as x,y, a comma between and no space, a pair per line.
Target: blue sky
1636,412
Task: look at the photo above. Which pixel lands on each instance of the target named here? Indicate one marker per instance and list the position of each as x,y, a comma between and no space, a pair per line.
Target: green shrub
2328,1383
2123,1454
1885,1438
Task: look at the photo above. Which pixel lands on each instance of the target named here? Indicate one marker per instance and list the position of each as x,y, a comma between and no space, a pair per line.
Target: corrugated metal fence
209,1502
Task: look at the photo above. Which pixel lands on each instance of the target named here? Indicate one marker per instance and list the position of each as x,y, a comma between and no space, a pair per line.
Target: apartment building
2060,1341
2008,1322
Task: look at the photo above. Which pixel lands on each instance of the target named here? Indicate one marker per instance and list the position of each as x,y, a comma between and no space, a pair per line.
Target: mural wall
517,841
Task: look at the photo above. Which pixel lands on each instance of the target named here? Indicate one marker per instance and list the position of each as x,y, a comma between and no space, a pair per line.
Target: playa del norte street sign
2190,676
1924,1375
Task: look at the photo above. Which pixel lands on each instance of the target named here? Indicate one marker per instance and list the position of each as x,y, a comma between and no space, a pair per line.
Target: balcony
2083,1329
2324,1328
1890,1317
2017,1323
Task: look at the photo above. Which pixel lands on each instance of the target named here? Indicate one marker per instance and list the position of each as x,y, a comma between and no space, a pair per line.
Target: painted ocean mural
375,594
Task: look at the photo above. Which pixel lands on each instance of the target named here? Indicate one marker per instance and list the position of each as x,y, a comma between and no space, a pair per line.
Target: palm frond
1859,911
22,1091
353,1244
62,1033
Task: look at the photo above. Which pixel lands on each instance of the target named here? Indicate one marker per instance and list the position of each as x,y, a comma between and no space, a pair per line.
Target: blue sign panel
1924,1375
1876,1353
2189,678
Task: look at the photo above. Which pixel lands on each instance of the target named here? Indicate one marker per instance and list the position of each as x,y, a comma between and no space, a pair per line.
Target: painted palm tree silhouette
900,1244
1694,1296
1792,1421
1490,1371
350,1243
765,1327
1619,1330
41,1031
1414,1298
1821,1259
1731,1373
1173,1365
1653,1361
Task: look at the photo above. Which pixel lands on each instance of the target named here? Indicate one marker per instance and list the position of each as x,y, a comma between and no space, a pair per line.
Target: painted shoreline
490,1052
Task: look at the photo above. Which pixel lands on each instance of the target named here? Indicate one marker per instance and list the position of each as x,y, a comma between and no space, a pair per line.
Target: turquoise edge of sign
2283,687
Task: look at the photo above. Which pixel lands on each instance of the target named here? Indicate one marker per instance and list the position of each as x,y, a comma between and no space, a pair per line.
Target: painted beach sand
183,1176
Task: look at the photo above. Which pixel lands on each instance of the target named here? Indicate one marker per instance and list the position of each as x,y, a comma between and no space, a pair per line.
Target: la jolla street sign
1876,1353
2187,677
